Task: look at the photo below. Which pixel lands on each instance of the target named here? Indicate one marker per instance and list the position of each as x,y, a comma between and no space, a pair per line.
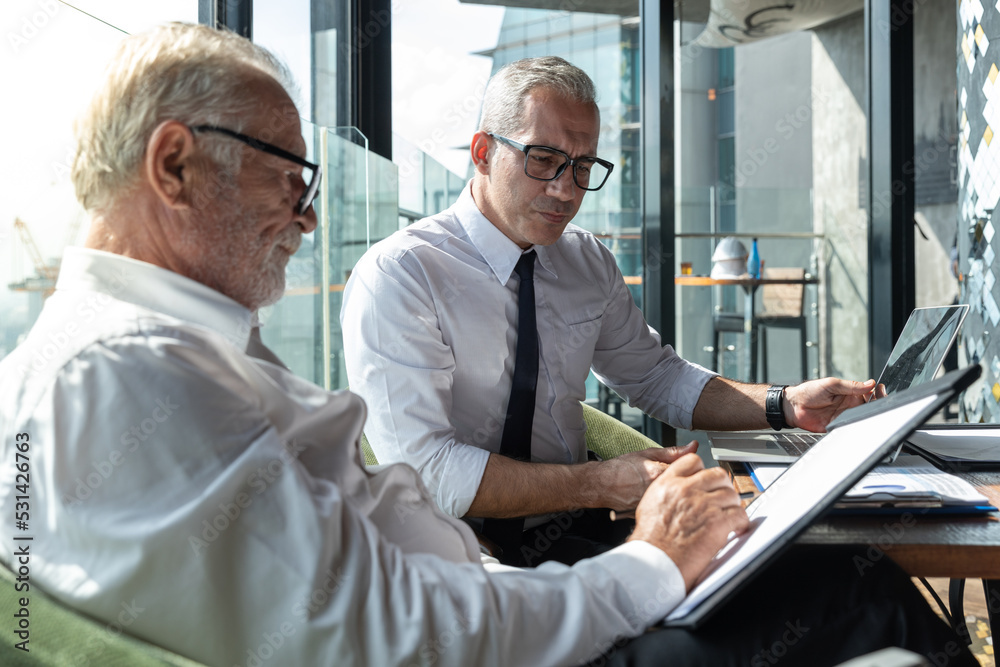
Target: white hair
503,103
179,71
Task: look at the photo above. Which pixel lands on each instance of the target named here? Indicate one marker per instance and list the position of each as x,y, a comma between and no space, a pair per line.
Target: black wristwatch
772,407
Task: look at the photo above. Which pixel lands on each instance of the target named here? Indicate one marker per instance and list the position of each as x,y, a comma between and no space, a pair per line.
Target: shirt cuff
651,578
458,484
686,391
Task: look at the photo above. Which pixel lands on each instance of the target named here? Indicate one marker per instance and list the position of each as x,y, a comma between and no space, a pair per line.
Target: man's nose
307,221
563,187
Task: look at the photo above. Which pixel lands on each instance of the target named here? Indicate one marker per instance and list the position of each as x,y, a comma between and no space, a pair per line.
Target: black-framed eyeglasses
312,183
543,163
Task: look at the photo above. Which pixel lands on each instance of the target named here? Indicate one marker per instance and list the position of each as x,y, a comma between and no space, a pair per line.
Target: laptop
855,442
915,359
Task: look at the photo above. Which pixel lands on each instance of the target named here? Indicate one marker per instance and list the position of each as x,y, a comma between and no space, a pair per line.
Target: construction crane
45,280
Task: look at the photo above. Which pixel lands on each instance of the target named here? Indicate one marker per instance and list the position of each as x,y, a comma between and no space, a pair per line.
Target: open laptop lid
922,346
915,359
855,442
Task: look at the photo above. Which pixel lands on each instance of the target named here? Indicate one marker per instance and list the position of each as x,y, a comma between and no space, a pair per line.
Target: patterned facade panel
978,67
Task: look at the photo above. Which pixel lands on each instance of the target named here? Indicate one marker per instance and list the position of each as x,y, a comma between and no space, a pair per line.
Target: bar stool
781,306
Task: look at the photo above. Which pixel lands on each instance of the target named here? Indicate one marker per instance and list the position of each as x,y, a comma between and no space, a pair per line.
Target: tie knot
525,268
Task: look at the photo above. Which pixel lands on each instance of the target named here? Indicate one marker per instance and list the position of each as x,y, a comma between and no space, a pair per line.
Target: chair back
366,451
607,437
782,300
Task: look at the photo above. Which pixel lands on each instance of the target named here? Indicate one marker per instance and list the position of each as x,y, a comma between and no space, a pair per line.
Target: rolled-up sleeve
398,360
630,358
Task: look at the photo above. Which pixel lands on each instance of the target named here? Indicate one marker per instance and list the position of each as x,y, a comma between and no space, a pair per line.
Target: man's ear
168,166
480,149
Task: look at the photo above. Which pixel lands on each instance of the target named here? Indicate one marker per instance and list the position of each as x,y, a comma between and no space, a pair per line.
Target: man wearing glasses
470,335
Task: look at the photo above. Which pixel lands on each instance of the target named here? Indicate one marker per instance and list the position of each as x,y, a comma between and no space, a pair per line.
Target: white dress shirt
430,322
215,504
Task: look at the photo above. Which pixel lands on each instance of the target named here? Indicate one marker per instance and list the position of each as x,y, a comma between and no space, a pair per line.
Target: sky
46,78
437,85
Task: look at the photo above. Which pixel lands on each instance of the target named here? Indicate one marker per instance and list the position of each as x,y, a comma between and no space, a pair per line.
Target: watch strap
773,408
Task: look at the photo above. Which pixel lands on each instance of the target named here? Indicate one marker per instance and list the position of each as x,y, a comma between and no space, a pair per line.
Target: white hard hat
729,259
729,248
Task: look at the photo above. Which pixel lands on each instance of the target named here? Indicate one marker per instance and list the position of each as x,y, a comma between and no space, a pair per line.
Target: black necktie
515,442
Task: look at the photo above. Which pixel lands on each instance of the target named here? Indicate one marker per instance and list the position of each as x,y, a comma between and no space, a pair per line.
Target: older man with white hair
177,469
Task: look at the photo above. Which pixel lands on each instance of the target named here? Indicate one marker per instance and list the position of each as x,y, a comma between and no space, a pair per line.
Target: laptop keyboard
796,444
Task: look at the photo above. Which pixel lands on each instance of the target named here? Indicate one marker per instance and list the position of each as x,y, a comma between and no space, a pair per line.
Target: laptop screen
921,347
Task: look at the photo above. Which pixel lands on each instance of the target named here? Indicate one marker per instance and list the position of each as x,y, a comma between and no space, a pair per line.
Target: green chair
62,637
366,449
606,436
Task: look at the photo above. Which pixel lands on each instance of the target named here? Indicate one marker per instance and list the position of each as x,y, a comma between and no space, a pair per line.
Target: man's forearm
512,488
727,405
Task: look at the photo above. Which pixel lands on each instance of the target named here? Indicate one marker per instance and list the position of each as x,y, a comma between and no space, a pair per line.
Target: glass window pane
606,46
285,29
53,59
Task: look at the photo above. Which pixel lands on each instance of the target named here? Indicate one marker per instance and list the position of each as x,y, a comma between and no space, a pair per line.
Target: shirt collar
155,288
499,251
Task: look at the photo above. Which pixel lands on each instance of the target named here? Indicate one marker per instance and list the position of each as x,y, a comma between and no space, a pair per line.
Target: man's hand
689,512
620,482
813,404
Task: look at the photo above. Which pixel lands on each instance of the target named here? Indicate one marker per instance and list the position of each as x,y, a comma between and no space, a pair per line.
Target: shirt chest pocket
574,345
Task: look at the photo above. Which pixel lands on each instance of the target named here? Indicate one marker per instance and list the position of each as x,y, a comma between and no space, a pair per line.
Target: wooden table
924,545
749,286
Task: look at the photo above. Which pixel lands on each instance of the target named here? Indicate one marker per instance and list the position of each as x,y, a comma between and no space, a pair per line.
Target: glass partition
357,206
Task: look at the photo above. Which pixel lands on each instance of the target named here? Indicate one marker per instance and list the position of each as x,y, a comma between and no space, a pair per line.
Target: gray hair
503,103
179,71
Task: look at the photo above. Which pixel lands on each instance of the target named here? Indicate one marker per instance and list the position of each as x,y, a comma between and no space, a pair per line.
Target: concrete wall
773,116
774,170
935,137
839,154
